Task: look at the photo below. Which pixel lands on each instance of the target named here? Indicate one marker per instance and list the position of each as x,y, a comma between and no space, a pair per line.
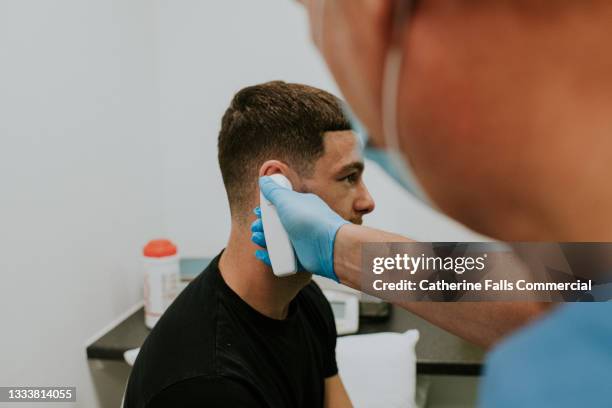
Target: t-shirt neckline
229,294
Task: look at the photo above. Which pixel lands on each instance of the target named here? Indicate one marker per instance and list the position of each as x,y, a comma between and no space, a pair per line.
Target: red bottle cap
159,248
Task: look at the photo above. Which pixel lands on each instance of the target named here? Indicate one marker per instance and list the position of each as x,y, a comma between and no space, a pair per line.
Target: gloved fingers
263,256
271,190
259,239
257,226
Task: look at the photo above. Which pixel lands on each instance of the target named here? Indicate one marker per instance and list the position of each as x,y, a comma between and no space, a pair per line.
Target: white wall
80,179
208,51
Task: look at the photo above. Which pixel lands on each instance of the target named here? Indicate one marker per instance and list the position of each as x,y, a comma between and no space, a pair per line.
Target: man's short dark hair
274,120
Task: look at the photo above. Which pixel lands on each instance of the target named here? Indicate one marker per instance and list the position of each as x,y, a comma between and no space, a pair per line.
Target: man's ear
271,167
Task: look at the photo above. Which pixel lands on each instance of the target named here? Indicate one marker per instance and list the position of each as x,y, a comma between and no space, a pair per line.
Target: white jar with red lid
161,279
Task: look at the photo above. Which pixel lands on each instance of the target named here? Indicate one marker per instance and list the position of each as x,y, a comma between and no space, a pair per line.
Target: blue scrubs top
563,360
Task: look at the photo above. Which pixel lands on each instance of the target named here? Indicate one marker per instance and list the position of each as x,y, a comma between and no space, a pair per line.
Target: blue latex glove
310,224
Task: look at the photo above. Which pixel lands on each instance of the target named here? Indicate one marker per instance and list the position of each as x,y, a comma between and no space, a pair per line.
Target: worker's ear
271,167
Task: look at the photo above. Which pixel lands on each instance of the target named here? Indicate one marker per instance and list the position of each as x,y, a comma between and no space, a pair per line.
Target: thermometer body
278,244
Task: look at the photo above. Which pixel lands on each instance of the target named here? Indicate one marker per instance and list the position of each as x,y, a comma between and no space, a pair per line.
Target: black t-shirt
211,349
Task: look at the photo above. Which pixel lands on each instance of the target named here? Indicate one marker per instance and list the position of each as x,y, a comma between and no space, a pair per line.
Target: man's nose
364,204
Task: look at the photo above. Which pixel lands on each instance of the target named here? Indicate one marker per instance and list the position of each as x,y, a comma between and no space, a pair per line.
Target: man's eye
351,178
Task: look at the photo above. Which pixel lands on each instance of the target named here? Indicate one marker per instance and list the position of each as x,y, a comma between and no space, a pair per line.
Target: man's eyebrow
356,165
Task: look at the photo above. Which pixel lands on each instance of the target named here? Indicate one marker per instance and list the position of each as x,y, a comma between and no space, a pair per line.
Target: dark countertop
437,351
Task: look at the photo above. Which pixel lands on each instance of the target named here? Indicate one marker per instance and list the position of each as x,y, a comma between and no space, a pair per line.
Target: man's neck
254,281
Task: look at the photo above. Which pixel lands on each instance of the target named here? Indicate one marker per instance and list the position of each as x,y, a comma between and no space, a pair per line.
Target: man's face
337,177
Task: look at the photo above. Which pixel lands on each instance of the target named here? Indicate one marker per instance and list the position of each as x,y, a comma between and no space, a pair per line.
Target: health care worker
499,114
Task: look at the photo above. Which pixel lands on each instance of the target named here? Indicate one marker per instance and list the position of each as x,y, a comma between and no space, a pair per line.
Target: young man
238,336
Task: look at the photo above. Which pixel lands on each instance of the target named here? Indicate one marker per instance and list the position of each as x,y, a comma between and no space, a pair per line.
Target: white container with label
161,279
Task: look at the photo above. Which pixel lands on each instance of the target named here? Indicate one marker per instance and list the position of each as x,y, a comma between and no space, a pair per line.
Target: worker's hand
310,224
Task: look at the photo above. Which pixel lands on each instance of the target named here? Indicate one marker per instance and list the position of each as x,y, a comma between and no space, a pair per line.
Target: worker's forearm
347,250
482,323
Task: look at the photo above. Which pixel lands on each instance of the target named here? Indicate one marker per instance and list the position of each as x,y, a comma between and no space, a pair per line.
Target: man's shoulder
186,313
181,344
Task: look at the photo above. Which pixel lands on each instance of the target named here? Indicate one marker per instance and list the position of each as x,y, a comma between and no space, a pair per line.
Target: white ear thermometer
279,246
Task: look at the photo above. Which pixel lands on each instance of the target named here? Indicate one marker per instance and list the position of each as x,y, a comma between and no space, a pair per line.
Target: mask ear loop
319,15
390,94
